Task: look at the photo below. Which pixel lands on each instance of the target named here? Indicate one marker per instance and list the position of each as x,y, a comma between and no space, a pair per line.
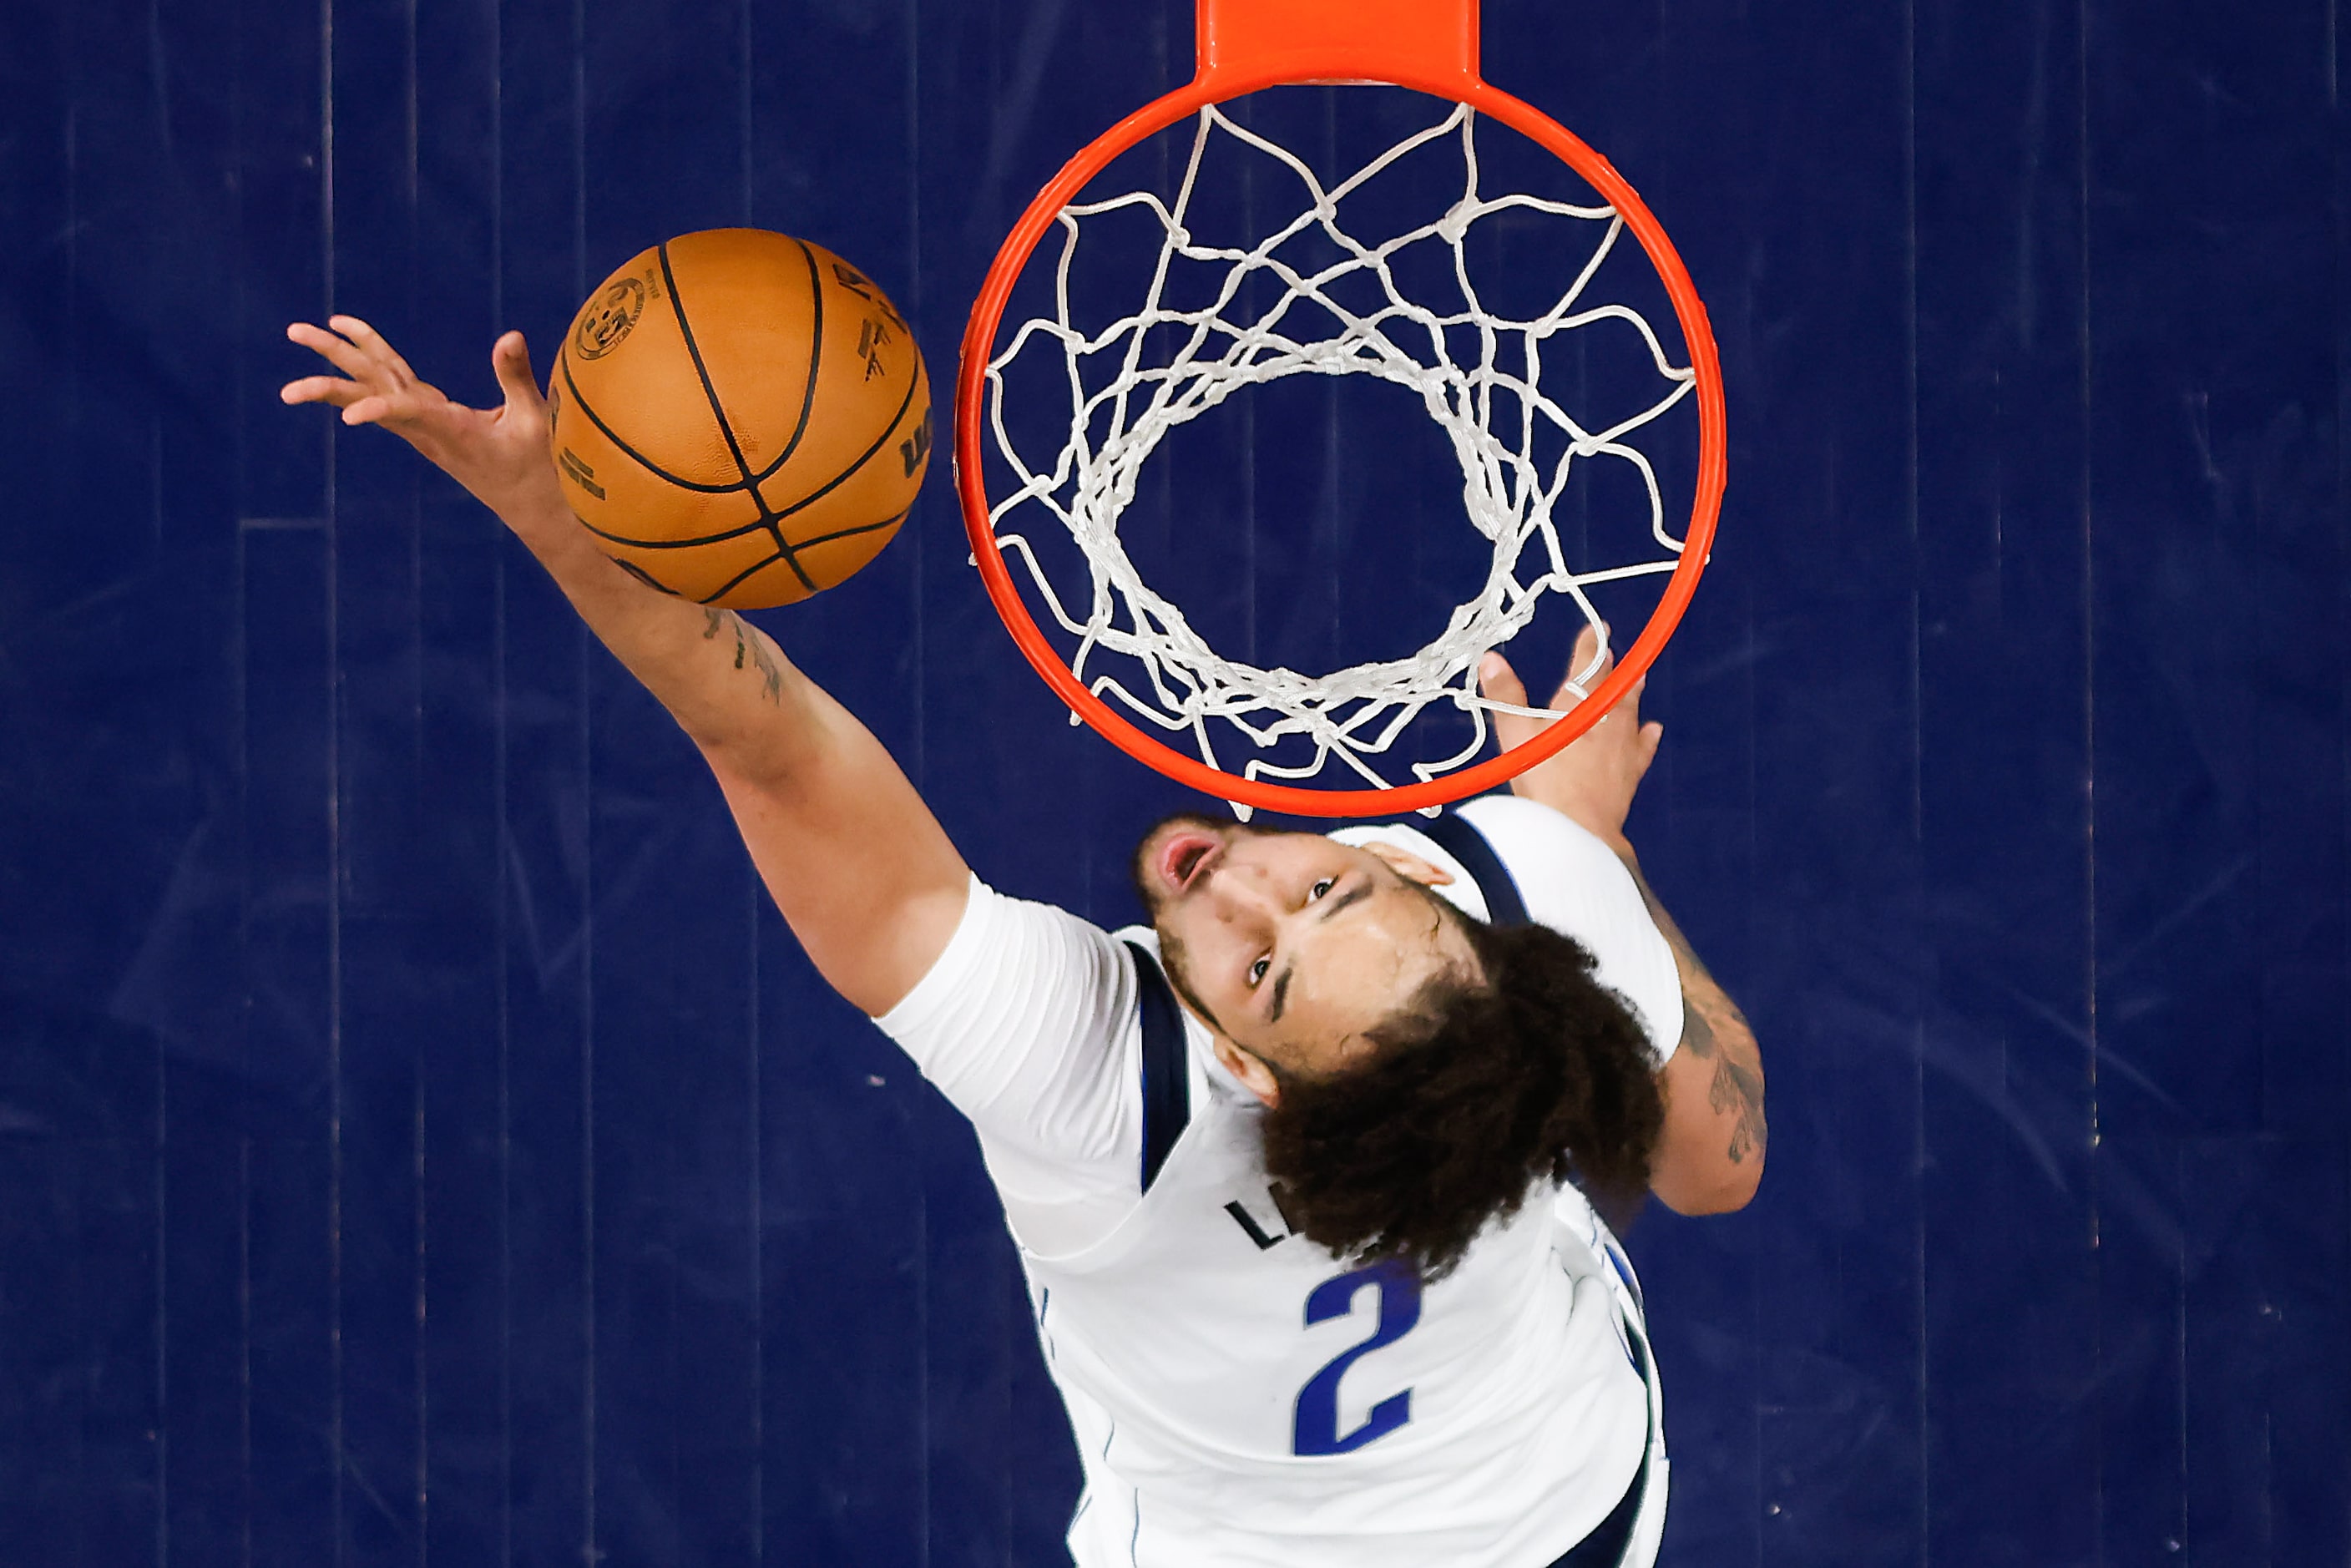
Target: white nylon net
1477,375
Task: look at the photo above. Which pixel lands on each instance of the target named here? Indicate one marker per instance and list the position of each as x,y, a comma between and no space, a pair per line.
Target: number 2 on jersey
1315,1428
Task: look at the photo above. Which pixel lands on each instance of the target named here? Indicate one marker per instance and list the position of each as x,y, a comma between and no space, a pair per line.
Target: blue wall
420,1143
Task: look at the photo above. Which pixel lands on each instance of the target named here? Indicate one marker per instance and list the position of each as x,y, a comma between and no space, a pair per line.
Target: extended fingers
1589,666
1496,682
333,389
1586,667
380,388
345,356
359,406
1501,683
355,348
370,343
1626,713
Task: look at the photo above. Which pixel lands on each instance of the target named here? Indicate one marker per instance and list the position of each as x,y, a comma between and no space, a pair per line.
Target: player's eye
1257,970
1322,887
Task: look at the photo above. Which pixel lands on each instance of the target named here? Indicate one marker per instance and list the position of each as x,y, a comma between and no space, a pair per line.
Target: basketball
741,418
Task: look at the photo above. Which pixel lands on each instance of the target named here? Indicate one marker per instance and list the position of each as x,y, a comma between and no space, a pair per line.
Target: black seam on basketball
816,361
693,352
740,578
896,422
782,545
852,533
791,554
718,412
792,561
784,555
718,539
787,557
648,579
647,464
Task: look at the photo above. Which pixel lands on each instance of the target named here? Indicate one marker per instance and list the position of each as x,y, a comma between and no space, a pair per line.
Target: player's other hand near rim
1709,1155
500,454
1592,779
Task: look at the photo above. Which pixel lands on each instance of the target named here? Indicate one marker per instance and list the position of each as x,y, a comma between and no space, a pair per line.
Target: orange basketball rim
1246,46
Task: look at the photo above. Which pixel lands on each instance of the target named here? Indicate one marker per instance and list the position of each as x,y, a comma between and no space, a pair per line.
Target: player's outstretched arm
862,871
1709,1157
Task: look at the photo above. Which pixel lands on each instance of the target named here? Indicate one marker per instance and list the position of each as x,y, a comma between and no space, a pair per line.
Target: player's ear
1408,865
1254,1074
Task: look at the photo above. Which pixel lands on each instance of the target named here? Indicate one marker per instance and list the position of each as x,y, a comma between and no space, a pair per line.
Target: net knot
1454,226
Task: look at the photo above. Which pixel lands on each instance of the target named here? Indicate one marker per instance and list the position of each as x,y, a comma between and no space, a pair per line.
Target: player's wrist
533,508
1594,817
561,543
1609,833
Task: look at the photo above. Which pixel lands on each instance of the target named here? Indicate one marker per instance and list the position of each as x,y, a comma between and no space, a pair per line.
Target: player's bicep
1683,1166
1709,1155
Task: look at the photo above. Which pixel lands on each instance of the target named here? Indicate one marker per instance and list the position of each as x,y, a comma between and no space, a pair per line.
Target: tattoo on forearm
749,648
1714,1030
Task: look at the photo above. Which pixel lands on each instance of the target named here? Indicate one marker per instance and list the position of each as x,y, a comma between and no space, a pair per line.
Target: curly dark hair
1480,1086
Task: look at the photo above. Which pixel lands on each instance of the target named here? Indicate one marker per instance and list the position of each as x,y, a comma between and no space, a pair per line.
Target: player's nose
1242,889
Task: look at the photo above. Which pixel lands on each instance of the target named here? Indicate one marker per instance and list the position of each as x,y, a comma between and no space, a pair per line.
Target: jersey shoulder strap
1167,1076
1460,839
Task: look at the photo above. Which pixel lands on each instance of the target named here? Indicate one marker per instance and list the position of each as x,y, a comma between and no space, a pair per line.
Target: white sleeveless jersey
1240,1397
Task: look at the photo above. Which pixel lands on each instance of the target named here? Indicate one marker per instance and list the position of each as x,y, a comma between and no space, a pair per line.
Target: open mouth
1186,856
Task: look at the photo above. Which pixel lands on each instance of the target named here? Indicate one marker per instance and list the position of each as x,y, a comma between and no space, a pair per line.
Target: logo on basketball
603,324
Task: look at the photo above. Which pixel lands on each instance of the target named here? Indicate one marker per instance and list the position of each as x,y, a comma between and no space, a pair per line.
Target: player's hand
1592,779
500,454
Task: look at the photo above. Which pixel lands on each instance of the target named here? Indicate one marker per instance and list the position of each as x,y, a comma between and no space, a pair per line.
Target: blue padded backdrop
419,1142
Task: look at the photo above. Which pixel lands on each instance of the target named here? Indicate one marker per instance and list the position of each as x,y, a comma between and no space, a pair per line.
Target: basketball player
1305,1262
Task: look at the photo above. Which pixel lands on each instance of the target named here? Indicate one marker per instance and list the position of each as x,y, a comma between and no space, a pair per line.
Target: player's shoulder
1529,834
1551,861
1008,945
1567,876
